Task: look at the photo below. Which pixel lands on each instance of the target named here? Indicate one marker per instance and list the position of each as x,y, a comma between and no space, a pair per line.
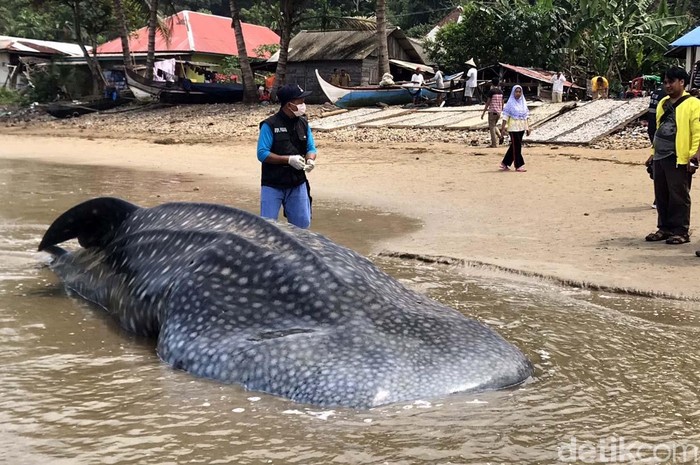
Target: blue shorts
295,201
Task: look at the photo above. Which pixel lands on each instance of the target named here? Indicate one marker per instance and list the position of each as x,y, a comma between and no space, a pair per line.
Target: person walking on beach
676,140
558,81
471,82
494,106
287,152
515,120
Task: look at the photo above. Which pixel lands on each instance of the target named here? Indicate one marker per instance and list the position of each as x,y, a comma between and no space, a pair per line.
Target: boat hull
355,97
75,109
183,93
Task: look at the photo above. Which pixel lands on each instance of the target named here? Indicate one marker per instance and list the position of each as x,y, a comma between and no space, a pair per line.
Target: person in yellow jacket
676,143
599,87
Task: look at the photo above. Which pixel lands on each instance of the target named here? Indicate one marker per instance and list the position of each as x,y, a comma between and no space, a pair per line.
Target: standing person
287,152
471,82
417,79
515,115
656,96
494,105
599,87
335,77
558,81
344,78
654,99
439,79
676,140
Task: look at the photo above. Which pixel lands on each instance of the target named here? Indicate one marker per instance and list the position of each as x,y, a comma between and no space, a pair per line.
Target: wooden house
352,50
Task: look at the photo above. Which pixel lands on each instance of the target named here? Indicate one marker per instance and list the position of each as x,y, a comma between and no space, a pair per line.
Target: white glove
296,161
310,164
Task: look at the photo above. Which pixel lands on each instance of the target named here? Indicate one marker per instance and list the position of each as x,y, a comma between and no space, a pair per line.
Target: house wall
5,69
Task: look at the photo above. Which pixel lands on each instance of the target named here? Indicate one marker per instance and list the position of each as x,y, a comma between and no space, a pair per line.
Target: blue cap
289,92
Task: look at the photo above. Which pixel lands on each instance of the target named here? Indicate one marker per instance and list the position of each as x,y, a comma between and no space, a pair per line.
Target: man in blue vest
287,152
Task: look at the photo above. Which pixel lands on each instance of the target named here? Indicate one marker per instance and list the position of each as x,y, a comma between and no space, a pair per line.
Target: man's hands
296,161
310,164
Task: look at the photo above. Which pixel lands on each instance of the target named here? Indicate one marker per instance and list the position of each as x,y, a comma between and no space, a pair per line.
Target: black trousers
515,150
672,190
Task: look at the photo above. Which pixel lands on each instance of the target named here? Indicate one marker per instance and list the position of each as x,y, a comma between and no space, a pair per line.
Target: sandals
678,239
658,236
503,167
521,169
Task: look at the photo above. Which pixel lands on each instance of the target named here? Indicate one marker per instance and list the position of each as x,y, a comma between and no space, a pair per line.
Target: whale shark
273,308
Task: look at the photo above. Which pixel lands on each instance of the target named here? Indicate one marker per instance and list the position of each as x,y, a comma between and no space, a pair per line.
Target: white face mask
300,111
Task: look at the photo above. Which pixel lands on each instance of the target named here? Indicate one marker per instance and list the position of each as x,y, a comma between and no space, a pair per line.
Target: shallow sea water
616,376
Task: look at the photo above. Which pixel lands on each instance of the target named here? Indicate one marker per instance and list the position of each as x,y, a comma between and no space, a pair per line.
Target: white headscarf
516,108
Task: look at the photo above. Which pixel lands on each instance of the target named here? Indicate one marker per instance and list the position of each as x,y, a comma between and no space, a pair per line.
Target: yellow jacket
687,127
594,83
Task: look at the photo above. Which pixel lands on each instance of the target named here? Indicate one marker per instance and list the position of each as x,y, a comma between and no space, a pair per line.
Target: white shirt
558,83
439,80
471,77
418,78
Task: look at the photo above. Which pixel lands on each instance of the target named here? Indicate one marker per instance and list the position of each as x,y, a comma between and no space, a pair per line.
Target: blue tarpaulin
691,39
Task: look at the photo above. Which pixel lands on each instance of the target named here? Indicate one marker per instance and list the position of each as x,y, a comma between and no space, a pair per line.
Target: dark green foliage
616,38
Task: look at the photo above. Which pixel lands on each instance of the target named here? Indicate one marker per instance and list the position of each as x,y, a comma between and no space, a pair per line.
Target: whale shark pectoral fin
93,222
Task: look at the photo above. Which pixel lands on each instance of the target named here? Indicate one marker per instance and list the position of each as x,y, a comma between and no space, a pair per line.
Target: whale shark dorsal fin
93,222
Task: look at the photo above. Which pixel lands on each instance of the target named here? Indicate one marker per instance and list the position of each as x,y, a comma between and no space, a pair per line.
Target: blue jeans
297,206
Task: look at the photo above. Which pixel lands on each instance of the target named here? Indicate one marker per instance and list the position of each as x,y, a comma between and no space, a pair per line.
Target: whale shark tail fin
93,223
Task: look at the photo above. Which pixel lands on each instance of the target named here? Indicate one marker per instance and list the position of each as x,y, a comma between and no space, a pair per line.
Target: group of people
514,118
287,151
341,79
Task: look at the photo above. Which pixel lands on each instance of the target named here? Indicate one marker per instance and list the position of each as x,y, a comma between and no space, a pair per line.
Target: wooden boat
183,91
76,108
364,96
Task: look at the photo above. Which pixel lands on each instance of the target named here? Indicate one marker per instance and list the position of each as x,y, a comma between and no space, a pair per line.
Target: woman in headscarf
515,115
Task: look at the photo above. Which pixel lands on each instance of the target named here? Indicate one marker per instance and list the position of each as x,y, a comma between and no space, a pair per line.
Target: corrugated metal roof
691,39
342,45
538,74
39,47
196,32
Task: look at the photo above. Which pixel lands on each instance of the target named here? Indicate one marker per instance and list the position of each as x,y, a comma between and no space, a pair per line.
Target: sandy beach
578,215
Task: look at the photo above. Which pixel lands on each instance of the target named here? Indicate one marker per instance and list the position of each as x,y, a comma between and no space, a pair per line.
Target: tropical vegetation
616,38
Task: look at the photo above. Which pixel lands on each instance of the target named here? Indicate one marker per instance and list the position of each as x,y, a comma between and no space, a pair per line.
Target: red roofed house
197,38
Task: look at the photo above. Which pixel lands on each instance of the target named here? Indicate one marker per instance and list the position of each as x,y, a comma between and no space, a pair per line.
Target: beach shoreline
578,216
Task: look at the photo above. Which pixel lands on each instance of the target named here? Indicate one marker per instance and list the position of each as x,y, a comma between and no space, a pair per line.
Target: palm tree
123,31
250,95
290,12
152,26
382,46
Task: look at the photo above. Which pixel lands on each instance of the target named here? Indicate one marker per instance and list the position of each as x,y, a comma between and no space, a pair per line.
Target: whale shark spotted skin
240,299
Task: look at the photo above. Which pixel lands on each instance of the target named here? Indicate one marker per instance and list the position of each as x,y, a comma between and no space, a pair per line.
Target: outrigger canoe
366,96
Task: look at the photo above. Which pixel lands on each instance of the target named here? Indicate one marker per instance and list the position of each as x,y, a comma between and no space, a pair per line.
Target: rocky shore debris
230,122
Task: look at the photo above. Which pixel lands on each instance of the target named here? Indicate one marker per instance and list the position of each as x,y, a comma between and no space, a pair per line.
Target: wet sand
578,215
